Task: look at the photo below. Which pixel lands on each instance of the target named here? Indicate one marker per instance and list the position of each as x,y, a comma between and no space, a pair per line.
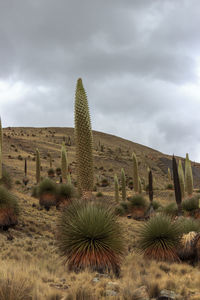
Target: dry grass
32,253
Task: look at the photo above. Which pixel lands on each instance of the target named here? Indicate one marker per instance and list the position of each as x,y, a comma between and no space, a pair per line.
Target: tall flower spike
84,142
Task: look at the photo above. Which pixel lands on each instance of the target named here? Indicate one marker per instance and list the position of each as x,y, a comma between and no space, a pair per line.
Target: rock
95,279
167,295
141,293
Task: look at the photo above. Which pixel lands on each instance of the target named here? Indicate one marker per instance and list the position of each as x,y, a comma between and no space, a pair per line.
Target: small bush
17,182
104,182
99,194
170,186
188,224
159,238
9,208
66,191
34,192
58,171
156,205
51,173
137,201
89,236
47,186
170,209
6,179
191,204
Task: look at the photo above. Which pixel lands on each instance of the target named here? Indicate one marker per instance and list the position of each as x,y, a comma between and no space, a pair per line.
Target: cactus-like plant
90,237
37,166
123,185
140,186
1,145
181,178
116,188
188,176
177,187
135,173
25,179
50,160
64,164
84,142
169,175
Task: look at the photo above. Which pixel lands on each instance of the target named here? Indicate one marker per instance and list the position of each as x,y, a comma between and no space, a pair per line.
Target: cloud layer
139,61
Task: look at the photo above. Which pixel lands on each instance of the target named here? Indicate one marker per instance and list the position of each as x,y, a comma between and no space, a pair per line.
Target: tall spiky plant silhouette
84,142
181,178
64,164
25,179
123,185
116,188
188,176
1,146
169,175
37,166
135,173
177,187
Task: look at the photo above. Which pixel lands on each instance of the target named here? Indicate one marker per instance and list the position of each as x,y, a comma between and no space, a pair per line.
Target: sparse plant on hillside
6,179
58,171
159,238
84,142
47,193
177,187
51,173
181,178
116,188
65,193
9,209
37,166
135,173
89,236
25,179
188,176
188,225
191,204
123,185
64,164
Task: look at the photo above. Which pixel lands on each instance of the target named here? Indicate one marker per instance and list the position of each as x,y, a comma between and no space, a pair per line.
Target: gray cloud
138,60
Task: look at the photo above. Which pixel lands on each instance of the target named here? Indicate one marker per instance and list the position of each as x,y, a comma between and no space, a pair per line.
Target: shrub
47,191
156,205
6,179
51,173
9,209
191,204
188,224
89,236
66,191
99,194
159,238
104,182
15,287
170,186
170,209
34,192
137,201
58,171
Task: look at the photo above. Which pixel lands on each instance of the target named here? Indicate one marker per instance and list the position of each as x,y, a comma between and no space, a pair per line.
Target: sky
139,61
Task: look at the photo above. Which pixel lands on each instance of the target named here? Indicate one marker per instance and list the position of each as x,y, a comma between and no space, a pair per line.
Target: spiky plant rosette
159,237
189,225
7,200
89,236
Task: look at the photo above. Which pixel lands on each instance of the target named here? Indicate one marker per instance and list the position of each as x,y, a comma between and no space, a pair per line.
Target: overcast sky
139,61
